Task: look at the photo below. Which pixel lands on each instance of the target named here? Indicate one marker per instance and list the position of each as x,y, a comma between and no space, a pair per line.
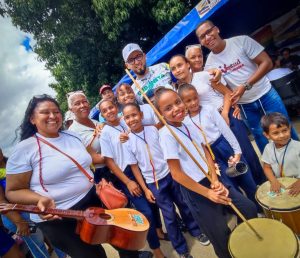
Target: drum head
278,240
281,202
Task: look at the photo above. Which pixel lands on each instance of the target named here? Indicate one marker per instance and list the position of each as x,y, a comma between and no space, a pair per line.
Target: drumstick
187,151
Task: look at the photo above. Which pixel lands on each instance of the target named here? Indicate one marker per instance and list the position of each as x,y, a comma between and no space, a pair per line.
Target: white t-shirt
172,149
158,75
236,64
112,147
208,96
213,125
291,165
86,133
139,154
65,183
149,116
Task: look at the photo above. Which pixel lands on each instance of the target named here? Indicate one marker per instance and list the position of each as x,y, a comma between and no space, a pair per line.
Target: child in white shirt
219,137
148,163
203,197
281,156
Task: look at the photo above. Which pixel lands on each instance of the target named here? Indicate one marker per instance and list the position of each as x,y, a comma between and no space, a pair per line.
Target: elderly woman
39,175
89,131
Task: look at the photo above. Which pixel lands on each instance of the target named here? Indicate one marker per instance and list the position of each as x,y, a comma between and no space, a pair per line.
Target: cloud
21,77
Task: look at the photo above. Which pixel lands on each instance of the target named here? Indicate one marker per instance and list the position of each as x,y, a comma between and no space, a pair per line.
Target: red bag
111,197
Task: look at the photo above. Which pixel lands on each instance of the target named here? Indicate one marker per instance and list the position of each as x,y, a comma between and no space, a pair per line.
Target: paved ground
196,249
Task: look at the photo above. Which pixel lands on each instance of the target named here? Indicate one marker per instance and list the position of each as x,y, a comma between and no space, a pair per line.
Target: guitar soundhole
105,216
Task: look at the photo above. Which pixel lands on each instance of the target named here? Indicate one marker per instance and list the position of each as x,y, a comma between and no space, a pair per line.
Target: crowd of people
208,108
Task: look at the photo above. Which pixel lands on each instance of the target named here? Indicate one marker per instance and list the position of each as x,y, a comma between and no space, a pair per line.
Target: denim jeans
254,111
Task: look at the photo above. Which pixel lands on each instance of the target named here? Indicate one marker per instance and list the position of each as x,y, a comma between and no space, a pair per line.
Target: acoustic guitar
123,228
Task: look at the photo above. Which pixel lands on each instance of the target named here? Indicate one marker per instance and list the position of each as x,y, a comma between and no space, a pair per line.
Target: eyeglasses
69,94
138,58
192,46
206,33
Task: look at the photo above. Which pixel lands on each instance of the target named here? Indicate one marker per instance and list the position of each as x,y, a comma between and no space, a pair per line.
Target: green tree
81,41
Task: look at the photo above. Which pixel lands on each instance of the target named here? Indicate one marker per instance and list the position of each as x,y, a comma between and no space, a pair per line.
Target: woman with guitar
40,175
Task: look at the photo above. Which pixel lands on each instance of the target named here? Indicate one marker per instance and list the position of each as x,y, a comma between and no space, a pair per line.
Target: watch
248,86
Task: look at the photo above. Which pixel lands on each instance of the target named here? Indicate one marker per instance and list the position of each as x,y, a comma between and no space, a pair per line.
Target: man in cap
150,77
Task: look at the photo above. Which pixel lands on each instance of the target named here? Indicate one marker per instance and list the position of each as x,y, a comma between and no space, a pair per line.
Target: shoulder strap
76,163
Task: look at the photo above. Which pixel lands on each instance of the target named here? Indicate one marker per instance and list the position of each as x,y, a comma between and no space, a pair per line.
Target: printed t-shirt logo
227,69
150,85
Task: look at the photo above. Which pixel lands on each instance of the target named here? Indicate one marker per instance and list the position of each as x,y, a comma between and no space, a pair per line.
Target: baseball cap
104,87
128,49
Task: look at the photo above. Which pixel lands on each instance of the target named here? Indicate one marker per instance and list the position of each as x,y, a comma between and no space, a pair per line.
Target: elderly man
244,64
148,77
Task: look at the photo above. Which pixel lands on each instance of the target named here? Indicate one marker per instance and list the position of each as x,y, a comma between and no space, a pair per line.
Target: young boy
281,156
147,161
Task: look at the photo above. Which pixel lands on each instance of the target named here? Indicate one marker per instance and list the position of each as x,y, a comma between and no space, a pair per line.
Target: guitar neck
62,213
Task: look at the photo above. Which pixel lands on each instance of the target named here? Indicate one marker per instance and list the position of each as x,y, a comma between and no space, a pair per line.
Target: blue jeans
35,241
240,131
254,111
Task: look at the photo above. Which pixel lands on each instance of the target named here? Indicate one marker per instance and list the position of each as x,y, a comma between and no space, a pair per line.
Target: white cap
128,49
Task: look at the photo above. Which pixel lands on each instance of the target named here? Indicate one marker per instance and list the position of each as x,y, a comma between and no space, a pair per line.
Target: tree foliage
81,40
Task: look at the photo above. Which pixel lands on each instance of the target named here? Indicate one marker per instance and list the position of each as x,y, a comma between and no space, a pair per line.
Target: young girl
126,95
203,198
218,96
220,138
148,162
117,159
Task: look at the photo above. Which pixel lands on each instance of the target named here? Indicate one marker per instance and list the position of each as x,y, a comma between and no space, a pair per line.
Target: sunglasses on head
191,46
69,94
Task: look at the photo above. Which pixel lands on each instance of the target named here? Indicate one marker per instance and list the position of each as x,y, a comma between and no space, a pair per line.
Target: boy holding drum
281,156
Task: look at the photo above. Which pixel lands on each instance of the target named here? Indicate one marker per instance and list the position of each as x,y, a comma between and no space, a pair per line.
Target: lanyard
204,136
188,135
116,128
281,173
150,156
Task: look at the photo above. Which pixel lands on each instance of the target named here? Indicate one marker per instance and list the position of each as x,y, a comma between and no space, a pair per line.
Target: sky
21,77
